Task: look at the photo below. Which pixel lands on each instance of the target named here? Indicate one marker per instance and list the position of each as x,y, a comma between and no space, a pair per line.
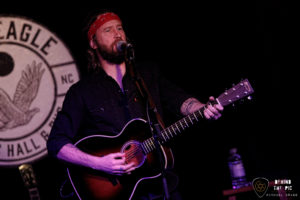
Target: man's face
107,36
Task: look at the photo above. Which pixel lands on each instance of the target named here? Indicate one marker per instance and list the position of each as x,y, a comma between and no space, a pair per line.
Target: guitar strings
133,153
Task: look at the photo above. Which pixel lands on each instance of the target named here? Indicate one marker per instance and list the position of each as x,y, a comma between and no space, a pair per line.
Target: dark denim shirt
96,104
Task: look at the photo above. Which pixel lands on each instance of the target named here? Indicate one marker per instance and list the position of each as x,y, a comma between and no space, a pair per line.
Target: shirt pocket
98,113
103,112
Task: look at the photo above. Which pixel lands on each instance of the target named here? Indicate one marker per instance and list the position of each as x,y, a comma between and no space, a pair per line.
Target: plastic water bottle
237,170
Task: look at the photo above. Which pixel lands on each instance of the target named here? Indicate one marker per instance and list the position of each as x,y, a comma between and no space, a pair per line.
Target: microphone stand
155,121
156,129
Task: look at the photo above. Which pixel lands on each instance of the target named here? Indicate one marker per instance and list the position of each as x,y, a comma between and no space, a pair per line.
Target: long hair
93,61
92,58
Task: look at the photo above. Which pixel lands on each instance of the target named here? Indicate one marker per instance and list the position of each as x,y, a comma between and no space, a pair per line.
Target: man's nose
117,33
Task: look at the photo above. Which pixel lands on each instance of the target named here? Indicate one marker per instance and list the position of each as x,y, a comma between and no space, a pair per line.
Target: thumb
211,98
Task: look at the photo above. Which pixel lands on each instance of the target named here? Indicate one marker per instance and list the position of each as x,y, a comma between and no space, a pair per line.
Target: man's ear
93,44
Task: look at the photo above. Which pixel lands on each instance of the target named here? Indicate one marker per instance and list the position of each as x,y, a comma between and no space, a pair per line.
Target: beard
109,55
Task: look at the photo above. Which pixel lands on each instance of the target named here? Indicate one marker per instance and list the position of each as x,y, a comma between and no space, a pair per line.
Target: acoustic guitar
138,144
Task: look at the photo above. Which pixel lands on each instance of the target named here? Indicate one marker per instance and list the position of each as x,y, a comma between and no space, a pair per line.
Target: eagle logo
17,112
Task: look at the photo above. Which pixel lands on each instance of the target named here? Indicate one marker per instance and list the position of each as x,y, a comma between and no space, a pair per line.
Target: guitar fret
152,143
199,111
149,147
190,119
170,131
174,130
186,122
163,135
181,124
195,116
144,148
177,127
167,136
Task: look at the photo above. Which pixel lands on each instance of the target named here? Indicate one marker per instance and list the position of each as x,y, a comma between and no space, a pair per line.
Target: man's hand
114,163
211,111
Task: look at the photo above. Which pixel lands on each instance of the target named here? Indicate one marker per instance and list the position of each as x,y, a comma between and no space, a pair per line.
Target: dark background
204,47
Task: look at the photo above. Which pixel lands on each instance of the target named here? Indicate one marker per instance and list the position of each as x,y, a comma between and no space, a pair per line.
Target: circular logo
36,70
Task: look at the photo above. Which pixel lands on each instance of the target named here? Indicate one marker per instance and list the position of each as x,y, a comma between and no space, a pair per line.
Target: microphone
122,46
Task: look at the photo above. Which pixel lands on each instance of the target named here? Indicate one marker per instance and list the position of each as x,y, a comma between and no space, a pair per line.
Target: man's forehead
100,21
111,24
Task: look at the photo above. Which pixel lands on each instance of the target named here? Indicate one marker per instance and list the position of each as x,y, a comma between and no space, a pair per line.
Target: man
108,98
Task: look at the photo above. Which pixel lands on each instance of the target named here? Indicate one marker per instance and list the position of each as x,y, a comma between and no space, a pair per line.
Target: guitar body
91,184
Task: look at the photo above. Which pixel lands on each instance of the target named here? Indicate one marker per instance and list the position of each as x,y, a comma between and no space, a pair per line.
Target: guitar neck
181,125
237,92
174,130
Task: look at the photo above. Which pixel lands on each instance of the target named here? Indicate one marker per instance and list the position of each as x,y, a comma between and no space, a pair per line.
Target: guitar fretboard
173,130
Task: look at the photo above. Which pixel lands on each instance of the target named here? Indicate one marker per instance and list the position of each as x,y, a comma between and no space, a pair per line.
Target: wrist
190,105
93,162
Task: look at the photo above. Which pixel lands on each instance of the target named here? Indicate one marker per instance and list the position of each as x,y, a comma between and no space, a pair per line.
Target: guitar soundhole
134,153
128,147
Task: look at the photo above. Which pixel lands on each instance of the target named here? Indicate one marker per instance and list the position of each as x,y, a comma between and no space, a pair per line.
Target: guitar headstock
237,92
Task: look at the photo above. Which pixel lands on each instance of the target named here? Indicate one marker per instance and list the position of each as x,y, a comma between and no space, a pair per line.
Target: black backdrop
203,47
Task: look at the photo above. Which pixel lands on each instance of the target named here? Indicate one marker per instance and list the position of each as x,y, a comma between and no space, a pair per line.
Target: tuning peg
226,92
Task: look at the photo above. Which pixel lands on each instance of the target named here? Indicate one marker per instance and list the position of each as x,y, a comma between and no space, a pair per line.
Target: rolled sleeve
67,122
172,95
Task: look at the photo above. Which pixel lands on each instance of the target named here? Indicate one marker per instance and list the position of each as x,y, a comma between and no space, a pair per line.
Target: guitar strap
147,97
144,92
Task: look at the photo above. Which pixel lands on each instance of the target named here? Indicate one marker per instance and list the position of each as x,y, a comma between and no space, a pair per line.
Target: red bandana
101,19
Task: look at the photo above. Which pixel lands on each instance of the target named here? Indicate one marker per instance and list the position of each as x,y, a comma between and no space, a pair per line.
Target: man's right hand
114,163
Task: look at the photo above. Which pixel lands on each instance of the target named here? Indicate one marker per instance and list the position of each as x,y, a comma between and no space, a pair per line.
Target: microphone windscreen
121,46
